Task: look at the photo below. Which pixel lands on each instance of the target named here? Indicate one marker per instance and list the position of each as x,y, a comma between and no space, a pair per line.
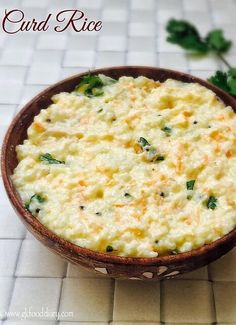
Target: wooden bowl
113,266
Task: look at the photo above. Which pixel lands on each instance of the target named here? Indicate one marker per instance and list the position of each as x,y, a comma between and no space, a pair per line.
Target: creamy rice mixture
132,167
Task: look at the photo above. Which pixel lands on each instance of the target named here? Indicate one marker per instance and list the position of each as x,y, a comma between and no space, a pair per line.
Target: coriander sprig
225,80
186,35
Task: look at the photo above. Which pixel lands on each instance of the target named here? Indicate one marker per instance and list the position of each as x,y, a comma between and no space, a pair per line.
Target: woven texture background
31,278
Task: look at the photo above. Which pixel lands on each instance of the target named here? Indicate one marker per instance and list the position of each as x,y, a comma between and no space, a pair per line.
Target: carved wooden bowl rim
50,238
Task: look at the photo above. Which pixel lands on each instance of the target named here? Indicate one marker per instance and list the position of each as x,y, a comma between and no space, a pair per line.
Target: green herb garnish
211,202
151,153
92,85
217,42
160,158
187,36
48,158
167,130
37,197
189,197
190,184
127,195
143,142
109,249
225,80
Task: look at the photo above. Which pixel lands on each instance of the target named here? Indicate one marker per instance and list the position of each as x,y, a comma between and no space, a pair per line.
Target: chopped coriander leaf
211,202
90,86
189,197
48,158
167,130
37,197
190,184
160,158
143,142
151,153
109,249
100,110
127,195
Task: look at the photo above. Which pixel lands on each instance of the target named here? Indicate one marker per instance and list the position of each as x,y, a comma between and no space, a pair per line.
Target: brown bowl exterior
113,266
